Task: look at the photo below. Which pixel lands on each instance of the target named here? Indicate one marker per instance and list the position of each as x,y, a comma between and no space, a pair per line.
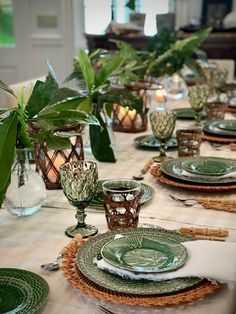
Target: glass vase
26,192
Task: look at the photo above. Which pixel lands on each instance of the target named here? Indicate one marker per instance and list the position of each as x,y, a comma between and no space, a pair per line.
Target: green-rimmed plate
21,291
231,126
174,168
141,254
150,142
97,201
215,127
90,250
208,166
186,113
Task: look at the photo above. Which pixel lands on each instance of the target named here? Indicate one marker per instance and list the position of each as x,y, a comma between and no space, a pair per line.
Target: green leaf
51,78
100,142
7,88
41,96
108,69
8,131
56,142
66,117
65,104
131,5
87,69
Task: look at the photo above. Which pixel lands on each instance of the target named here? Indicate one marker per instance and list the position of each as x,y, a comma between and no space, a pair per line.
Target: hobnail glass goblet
198,98
79,181
163,124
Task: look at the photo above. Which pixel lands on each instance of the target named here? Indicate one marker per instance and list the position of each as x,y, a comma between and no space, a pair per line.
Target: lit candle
52,175
160,95
126,116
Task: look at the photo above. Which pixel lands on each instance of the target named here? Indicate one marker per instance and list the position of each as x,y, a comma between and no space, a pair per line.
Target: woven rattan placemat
230,109
212,138
79,281
161,177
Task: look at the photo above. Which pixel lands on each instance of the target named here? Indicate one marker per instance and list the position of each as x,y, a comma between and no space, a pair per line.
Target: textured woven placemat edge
160,177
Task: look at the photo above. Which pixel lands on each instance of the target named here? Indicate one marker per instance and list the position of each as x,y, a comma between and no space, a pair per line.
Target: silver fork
185,201
104,310
216,146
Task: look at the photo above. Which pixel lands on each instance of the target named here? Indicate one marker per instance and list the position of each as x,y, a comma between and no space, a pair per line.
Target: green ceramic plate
186,113
231,126
214,128
97,202
21,291
141,254
90,250
208,166
149,141
174,168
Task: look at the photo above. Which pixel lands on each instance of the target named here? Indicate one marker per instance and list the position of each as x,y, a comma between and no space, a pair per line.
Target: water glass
189,141
122,203
215,111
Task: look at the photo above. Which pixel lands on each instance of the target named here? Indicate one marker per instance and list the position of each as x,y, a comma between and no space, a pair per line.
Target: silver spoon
52,266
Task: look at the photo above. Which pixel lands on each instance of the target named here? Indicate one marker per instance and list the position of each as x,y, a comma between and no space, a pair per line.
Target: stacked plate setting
201,170
221,128
139,251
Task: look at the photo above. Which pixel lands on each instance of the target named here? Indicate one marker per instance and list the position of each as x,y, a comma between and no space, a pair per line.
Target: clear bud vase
26,192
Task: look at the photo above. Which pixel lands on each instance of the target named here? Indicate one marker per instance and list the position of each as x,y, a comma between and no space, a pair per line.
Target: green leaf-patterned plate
21,291
215,128
186,113
174,168
141,254
149,141
97,201
225,125
210,166
92,248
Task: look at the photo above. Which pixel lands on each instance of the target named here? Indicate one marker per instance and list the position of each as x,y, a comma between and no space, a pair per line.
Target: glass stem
162,149
198,117
80,216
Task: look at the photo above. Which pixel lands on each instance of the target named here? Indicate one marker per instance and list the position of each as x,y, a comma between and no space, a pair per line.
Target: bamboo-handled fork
228,205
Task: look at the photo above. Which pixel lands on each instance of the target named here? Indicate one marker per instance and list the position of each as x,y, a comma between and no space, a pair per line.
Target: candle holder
48,162
130,121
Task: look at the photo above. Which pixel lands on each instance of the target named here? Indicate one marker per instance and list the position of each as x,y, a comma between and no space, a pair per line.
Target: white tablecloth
28,242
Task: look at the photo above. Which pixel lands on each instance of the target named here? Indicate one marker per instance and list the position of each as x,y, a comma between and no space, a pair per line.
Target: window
98,14
6,23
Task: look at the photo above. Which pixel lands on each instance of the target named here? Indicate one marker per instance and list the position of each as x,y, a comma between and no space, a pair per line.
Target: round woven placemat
230,109
79,281
157,173
212,138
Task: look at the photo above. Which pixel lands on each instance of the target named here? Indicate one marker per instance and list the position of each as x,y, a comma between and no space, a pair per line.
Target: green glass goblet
79,181
198,98
163,124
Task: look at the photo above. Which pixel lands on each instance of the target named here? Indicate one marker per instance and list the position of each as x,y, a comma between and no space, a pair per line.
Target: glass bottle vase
26,192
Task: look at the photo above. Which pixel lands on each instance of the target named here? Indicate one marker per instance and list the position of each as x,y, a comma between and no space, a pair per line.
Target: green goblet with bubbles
162,124
79,182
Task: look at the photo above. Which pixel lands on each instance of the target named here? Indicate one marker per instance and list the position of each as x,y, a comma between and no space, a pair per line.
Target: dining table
28,242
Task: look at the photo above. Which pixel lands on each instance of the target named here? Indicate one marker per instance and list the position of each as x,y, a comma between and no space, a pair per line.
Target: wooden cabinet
218,45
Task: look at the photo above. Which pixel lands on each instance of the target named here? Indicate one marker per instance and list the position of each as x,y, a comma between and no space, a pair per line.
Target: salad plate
21,291
209,166
145,255
186,113
97,200
91,249
149,141
174,169
221,128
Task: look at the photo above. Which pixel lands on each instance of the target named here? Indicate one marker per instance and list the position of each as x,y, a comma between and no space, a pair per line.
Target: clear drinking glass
163,124
122,203
198,96
79,181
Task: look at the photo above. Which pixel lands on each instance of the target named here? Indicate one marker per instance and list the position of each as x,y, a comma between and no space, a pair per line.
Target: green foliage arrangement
48,108
166,55
101,95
